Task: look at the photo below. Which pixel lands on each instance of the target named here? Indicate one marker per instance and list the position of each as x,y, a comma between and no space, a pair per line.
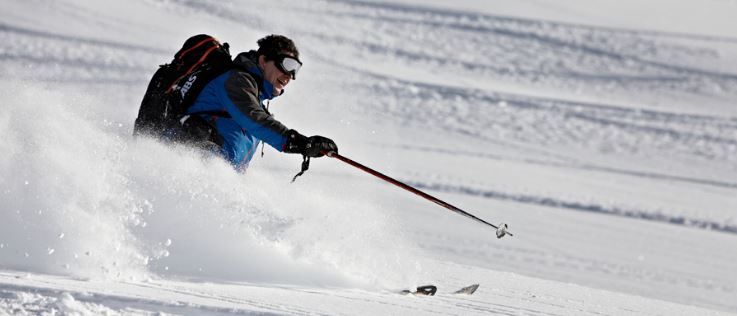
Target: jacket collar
249,62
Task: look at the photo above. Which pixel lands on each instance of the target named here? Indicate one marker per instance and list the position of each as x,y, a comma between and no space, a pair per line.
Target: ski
468,290
430,290
426,290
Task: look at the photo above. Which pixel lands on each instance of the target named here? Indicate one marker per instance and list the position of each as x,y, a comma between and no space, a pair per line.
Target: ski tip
468,290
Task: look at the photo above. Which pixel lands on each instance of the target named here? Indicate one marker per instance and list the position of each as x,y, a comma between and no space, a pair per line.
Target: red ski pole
501,230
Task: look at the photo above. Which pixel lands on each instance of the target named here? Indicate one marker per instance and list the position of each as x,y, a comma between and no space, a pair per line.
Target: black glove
318,146
314,146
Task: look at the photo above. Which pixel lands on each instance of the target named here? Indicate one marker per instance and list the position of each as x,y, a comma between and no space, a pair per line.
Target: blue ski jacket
234,103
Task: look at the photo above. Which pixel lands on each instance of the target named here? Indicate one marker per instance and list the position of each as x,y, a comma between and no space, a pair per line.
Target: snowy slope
606,139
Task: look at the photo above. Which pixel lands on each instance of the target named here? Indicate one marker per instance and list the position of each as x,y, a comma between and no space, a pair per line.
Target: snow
710,18
603,133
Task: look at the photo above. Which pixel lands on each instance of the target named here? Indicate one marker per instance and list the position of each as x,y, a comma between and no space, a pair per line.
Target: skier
230,115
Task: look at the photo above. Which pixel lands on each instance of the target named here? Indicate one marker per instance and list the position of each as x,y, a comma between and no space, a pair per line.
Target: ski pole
501,230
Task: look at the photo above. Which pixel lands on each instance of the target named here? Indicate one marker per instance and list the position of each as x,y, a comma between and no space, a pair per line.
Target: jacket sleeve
242,102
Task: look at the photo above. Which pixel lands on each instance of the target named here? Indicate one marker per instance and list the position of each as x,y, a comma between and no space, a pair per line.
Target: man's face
274,75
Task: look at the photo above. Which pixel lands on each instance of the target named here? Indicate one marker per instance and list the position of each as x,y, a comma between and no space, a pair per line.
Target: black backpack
175,86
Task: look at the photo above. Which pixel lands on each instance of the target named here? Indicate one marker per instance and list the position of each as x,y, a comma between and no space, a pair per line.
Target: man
233,107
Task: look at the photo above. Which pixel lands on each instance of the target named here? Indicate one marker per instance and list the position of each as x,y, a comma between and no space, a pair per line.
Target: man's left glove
313,146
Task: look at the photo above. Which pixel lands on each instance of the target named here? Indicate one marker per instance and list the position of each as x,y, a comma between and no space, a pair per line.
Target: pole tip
502,231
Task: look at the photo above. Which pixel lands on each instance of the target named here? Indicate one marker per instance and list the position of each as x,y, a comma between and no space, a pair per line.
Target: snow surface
603,132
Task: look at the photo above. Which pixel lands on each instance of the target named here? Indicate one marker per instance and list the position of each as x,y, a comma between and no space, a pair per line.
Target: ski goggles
288,65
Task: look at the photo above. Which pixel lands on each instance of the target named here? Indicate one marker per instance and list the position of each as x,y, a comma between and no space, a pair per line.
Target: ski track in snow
24,295
538,123
650,215
524,48
59,58
572,165
647,109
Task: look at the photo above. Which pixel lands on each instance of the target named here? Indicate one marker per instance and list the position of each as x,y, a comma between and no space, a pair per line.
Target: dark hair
273,45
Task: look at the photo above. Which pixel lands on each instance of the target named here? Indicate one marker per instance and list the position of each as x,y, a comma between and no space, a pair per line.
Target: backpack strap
193,67
207,39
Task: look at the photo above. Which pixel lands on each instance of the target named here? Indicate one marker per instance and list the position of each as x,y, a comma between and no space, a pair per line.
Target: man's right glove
313,146
318,146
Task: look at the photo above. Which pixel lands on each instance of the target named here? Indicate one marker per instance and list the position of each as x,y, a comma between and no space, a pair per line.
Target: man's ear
262,61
